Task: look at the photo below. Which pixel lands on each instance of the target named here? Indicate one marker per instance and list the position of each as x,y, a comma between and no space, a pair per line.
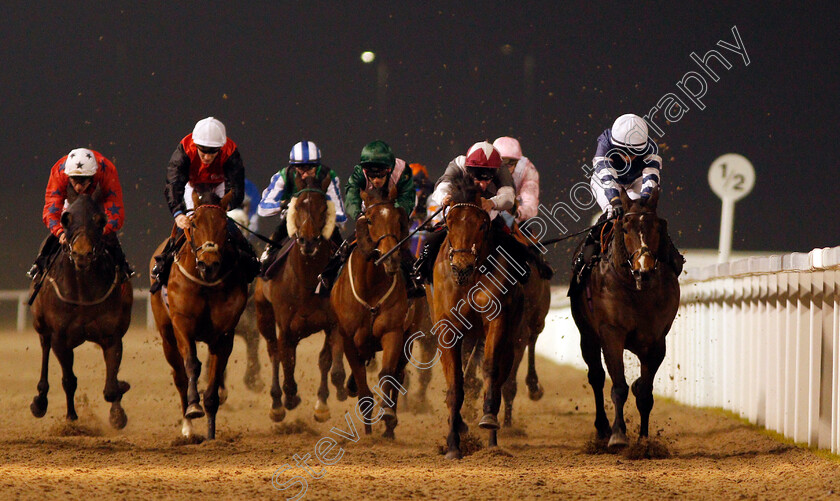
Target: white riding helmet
305,152
81,162
209,132
508,147
630,131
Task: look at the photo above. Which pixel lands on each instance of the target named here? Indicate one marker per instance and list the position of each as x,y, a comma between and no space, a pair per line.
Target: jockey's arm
442,188
235,178
528,193
505,190
54,197
334,195
113,201
651,174
605,179
352,194
177,176
272,197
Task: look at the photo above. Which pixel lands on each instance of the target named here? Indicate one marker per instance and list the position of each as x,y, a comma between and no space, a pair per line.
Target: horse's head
386,224
468,226
641,230
83,223
207,233
311,218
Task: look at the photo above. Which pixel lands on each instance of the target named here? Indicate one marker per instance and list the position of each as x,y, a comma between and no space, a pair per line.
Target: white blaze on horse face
645,259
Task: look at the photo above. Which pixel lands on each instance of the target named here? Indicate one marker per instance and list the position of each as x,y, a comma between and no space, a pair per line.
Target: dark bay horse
288,300
85,300
371,304
628,303
206,295
476,297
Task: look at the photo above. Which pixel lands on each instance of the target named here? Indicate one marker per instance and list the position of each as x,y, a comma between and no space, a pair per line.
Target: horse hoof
256,384
292,402
118,418
341,394
223,395
38,406
390,418
124,386
194,411
388,433
618,440
322,415
536,394
72,417
456,454
277,414
489,422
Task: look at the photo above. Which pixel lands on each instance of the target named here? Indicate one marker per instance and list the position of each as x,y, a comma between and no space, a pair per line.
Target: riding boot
163,264
590,249
115,249
413,286
246,256
48,247
424,267
669,250
270,252
327,277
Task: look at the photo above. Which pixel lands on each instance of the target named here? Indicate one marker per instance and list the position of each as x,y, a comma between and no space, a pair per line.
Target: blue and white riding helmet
305,152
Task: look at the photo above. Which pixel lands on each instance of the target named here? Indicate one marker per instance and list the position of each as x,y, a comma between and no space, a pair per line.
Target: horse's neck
83,285
617,251
368,278
305,269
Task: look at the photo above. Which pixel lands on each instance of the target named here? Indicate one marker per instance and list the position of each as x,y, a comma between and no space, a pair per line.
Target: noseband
95,251
472,250
641,251
383,237
208,246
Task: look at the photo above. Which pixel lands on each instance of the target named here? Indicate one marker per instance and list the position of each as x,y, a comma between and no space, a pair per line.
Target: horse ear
71,193
226,200
392,193
97,194
625,199
365,197
196,198
325,183
653,201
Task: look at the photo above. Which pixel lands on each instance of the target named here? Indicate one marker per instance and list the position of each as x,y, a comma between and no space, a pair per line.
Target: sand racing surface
546,455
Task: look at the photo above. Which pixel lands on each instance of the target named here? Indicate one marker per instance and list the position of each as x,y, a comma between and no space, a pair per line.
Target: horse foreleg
186,347
179,374
535,389
614,356
216,364
114,389
454,375
392,373
337,374
266,324
322,410
471,356
252,378
643,387
498,359
360,378
509,387
288,357
429,344
591,351
39,403
68,379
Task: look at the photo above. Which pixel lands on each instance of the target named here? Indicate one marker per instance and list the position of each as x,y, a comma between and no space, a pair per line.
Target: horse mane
464,190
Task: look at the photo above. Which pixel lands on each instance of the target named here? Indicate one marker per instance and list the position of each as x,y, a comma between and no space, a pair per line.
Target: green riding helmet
378,153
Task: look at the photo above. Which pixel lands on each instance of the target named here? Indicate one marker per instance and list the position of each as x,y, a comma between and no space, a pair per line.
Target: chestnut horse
288,300
371,304
628,303
205,297
87,301
476,296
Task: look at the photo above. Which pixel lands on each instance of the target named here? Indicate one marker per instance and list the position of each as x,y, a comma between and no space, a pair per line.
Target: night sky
130,79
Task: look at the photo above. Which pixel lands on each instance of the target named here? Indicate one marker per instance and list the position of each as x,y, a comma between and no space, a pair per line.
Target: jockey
83,170
483,164
423,187
207,160
626,158
305,157
378,167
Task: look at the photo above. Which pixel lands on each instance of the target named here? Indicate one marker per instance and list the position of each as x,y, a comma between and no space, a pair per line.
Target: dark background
130,79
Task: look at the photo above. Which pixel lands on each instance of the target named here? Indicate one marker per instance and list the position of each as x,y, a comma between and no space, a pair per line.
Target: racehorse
288,300
205,297
87,301
371,304
628,302
470,271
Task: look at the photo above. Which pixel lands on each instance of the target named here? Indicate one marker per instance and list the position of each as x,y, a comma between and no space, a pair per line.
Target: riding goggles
482,173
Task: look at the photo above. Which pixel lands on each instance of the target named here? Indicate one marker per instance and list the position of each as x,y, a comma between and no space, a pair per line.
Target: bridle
383,237
319,237
472,250
208,246
644,250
